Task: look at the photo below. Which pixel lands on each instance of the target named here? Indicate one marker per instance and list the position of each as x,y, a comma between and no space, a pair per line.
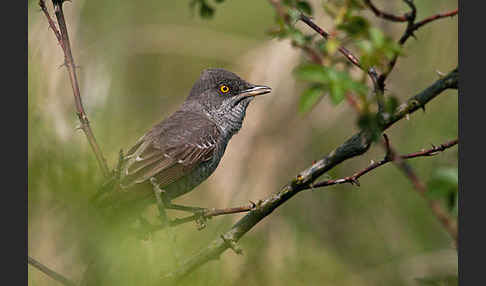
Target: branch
353,59
355,146
63,39
353,179
49,272
445,219
384,15
409,32
199,218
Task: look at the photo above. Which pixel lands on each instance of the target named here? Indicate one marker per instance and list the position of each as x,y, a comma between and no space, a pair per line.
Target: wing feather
170,150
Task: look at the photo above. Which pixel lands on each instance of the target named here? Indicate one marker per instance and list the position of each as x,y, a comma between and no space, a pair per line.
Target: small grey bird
183,150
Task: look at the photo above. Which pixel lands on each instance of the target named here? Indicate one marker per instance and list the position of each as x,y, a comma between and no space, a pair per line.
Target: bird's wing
171,149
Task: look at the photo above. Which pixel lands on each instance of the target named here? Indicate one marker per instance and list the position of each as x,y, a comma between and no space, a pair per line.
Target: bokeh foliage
138,61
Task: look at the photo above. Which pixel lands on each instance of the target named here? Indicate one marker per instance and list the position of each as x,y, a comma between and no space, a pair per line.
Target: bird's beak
256,90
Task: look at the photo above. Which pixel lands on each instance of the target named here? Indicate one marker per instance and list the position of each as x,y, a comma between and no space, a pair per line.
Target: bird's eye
224,88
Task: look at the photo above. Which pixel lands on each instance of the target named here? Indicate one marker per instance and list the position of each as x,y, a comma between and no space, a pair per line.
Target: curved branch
409,32
385,15
356,145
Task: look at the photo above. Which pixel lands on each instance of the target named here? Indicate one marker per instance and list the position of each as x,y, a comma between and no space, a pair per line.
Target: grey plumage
184,149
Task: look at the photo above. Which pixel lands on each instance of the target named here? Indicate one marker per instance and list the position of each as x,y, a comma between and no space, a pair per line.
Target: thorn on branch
62,65
355,182
440,74
389,154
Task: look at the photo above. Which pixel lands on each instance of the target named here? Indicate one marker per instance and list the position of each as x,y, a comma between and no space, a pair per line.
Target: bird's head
224,96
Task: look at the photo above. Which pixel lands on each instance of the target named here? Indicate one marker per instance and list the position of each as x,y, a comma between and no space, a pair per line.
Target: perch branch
49,272
63,39
355,146
208,214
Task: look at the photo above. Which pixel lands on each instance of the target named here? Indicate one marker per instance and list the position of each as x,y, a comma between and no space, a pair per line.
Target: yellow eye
224,89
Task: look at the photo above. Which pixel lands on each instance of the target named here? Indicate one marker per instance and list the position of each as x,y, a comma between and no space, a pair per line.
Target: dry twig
63,39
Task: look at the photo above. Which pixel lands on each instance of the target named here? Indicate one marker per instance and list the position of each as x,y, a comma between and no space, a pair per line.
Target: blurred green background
138,60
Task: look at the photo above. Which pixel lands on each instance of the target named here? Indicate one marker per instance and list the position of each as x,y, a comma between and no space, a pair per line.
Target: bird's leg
199,213
159,194
161,204
194,210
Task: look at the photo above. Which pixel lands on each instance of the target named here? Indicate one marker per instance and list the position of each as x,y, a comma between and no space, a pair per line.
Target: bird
183,150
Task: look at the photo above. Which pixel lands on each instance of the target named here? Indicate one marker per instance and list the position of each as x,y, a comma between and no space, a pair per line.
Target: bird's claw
201,218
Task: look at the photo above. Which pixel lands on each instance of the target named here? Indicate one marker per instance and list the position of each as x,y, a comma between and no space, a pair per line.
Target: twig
208,214
385,15
53,27
445,219
355,146
409,32
49,272
435,17
353,179
63,39
353,59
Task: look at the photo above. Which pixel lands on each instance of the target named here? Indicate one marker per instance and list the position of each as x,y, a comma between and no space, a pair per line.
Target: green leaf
391,104
310,97
338,82
298,37
305,7
337,92
370,123
443,185
377,37
294,15
312,72
206,11
331,46
355,26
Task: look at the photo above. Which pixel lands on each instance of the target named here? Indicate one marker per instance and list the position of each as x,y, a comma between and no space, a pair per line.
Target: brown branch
409,32
435,17
52,25
354,146
49,272
389,157
384,15
444,218
352,58
63,38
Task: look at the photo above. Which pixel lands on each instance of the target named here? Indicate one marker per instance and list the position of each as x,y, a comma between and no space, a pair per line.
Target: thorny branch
412,26
353,179
63,39
352,58
385,15
444,218
49,272
354,146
